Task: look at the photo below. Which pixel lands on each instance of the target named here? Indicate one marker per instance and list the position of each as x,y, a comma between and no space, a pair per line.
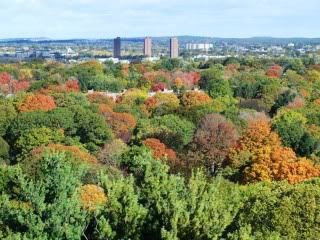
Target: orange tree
260,156
37,102
160,150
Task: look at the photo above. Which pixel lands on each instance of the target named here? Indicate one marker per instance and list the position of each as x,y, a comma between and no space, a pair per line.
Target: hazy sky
132,18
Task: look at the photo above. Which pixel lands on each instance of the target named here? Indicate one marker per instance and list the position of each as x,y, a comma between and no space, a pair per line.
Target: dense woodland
232,152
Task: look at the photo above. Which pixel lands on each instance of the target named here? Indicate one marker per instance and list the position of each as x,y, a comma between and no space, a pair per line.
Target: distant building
148,47
199,46
174,48
117,47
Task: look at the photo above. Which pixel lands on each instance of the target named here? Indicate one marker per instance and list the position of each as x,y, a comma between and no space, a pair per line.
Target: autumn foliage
186,79
75,152
100,98
10,85
5,78
19,86
157,87
68,87
275,71
38,102
122,124
266,159
159,149
162,103
214,137
92,196
195,99
72,86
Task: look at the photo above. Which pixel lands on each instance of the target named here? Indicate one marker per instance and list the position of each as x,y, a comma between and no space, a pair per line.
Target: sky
65,19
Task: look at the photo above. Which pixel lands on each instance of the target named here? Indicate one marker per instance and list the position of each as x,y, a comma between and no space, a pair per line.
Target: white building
199,46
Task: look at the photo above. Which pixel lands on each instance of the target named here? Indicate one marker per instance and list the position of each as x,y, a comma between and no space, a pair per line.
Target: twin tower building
147,49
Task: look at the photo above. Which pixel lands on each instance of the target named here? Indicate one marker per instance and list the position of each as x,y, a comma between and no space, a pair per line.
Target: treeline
232,152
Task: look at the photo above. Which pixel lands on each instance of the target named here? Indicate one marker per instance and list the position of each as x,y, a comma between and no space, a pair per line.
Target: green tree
7,114
123,216
45,206
4,150
290,125
36,137
91,128
212,206
279,209
172,130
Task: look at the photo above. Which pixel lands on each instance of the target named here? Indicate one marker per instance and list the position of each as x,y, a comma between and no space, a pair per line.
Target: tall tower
117,47
174,48
147,47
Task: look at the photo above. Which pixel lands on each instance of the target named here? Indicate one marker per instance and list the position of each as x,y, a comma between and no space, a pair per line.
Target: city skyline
99,19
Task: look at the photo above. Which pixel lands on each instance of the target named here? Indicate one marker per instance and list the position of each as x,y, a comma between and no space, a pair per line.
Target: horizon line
142,37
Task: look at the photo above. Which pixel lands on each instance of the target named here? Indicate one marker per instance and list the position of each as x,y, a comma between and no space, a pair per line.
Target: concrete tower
147,47
174,48
117,47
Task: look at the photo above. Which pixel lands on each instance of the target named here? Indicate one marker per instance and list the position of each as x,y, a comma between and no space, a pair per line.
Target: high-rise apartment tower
147,47
117,47
174,48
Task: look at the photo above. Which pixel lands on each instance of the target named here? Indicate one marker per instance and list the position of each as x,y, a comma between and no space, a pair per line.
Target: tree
290,125
111,152
47,205
36,137
210,75
196,209
37,102
19,86
162,194
212,205
283,100
162,104
274,71
172,130
213,138
77,154
86,71
123,216
100,98
5,78
122,125
92,197
72,86
158,87
274,211
195,99
91,128
70,99
160,150
4,150
219,88
7,114
259,156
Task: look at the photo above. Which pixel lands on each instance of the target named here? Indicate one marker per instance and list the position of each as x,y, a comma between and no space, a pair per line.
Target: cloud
101,18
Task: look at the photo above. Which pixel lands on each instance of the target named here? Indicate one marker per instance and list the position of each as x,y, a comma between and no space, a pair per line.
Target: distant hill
182,40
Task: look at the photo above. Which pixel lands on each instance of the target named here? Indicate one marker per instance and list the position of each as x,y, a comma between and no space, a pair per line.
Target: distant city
151,49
